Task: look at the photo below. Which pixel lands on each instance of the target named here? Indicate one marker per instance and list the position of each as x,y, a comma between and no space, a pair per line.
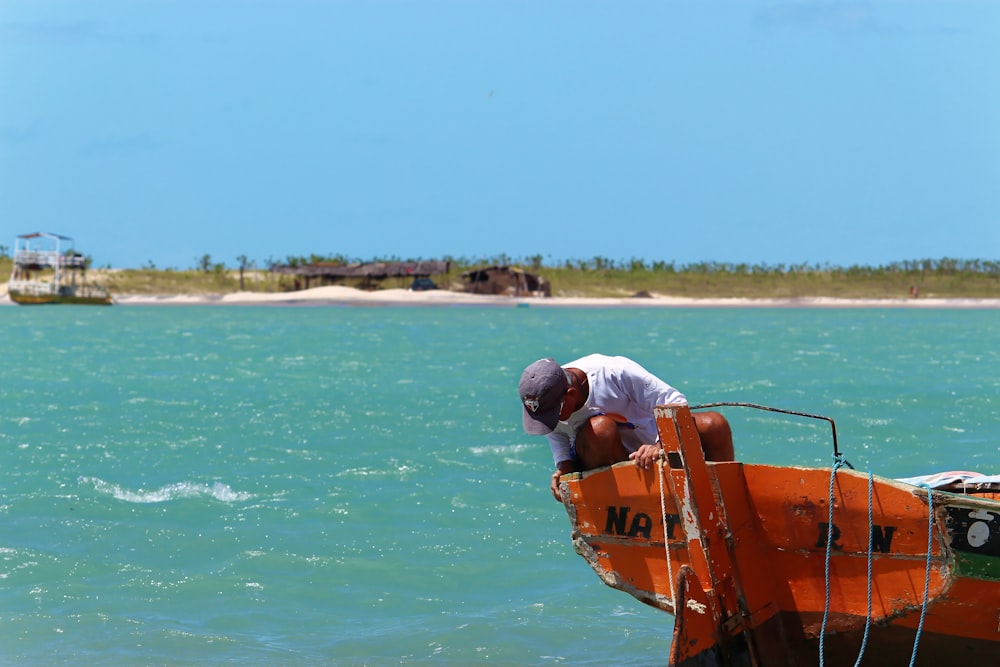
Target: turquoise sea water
351,486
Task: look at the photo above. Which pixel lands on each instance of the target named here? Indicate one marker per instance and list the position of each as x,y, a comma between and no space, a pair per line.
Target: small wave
219,491
480,450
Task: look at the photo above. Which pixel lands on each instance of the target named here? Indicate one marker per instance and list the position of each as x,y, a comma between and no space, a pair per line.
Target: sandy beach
347,296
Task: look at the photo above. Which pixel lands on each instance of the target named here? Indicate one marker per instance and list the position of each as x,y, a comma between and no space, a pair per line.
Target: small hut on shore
508,280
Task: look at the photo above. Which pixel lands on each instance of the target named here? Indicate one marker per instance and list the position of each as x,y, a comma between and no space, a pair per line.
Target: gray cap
543,385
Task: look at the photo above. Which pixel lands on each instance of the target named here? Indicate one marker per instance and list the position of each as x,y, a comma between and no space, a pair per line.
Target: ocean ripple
180,490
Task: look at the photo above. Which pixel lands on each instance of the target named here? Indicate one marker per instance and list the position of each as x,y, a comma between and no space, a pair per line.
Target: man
598,410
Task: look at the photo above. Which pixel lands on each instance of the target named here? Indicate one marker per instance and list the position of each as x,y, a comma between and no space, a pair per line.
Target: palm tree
242,259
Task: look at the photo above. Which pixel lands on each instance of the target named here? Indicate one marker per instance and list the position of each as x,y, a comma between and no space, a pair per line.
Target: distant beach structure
508,280
369,274
47,270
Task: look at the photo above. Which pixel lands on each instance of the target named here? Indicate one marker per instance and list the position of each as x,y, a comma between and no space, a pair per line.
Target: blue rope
839,461
871,542
927,571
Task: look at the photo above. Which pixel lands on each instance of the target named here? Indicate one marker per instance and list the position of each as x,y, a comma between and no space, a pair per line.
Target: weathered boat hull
743,549
42,300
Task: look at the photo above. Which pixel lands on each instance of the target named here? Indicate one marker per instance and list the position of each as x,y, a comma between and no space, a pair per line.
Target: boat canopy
50,235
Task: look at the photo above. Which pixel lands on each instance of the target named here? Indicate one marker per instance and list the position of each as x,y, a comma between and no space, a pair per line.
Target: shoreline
349,296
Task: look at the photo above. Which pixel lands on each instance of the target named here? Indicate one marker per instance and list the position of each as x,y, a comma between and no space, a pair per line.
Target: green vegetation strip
598,277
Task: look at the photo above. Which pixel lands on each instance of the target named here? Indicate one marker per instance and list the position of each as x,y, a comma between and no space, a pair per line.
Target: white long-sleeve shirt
623,389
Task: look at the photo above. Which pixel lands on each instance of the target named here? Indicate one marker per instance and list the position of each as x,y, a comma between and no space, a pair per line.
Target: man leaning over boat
598,410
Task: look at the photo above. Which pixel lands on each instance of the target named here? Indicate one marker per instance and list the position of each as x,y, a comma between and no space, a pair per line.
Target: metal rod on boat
833,426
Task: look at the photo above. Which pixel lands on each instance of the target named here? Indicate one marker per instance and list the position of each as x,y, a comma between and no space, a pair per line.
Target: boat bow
748,559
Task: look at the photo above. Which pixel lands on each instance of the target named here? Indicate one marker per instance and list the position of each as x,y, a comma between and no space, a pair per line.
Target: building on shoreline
508,280
369,275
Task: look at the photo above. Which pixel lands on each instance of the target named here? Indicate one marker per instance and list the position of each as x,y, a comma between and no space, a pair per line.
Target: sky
155,132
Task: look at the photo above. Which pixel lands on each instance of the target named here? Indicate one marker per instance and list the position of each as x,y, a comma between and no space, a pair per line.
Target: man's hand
562,468
645,455
555,485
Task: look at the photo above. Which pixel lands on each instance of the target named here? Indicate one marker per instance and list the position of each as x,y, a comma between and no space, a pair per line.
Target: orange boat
766,566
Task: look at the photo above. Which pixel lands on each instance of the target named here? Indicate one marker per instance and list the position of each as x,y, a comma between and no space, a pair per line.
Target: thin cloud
15,136
49,31
839,17
122,145
75,32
